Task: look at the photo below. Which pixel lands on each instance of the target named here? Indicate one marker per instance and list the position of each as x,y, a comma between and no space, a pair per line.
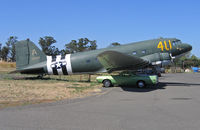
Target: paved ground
174,105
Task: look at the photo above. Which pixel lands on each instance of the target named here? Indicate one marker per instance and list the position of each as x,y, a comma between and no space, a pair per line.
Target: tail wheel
107,83
141,84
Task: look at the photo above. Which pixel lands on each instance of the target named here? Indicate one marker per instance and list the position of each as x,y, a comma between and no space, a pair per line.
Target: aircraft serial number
165,46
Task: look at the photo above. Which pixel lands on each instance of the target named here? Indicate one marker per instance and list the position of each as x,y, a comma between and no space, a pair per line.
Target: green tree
63,52
71,47
55,51
83,44
46,43
93,45
115,44
4,53
11,47
188,61
196,61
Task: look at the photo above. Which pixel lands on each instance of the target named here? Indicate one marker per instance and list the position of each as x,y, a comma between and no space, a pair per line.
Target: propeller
172,57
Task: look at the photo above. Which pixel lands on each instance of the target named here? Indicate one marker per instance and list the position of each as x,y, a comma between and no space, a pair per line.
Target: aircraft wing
113,61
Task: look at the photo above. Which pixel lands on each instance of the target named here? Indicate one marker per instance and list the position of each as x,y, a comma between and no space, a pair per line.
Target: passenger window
143,51
87,61
134,53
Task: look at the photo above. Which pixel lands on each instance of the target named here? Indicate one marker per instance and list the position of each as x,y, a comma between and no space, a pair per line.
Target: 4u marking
165,46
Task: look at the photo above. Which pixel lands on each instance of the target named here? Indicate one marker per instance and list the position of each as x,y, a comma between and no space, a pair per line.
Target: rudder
27,54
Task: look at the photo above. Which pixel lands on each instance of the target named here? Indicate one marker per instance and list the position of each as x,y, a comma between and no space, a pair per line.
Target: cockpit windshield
177,42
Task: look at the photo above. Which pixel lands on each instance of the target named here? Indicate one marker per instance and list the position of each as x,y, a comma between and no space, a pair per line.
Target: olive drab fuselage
156,52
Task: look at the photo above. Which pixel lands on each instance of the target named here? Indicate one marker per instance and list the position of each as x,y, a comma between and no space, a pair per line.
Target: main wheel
141,84
107,83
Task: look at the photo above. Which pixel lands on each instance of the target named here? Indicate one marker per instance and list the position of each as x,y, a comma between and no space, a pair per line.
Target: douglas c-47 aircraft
157,52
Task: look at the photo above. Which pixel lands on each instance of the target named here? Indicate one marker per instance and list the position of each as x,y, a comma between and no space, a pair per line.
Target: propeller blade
172,57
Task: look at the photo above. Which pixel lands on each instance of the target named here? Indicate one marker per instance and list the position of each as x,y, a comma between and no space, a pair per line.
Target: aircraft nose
182,49
188,47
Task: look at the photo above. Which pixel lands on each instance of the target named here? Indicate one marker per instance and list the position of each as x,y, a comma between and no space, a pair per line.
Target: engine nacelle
161,59
162,63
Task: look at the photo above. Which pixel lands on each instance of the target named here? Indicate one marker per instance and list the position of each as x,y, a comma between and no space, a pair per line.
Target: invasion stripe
58,60
55,72
49,69
68,66
64,69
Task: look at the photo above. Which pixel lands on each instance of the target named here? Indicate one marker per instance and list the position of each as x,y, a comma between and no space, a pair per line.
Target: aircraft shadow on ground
47,78
31,78
161,85
146,89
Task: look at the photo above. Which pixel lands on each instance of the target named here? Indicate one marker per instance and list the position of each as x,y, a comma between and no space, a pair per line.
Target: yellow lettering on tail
34,53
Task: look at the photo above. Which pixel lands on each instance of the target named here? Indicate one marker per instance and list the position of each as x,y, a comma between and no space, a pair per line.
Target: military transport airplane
31,60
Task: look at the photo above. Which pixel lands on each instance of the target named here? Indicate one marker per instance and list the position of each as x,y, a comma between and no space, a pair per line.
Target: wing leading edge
113,61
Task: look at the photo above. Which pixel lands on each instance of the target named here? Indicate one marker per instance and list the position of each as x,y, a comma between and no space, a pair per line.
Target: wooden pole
89,78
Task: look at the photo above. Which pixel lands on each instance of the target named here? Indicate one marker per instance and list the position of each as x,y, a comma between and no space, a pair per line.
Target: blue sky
106,21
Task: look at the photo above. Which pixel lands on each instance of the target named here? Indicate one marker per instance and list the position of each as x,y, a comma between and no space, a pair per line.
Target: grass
7,66
20,92
17,89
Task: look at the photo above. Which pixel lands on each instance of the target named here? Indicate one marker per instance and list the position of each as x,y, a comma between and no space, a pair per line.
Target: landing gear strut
40,76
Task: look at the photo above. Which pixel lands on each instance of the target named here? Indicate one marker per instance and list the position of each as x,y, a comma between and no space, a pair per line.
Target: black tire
40,77
141,84
107,83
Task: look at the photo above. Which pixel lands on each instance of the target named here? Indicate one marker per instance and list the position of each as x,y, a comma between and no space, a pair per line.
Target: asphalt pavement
174,105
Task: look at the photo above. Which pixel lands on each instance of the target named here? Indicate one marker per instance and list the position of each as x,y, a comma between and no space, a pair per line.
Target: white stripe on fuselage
68,65
49,68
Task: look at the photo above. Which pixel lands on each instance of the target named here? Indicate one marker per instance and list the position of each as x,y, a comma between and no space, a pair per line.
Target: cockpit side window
175,43
178,42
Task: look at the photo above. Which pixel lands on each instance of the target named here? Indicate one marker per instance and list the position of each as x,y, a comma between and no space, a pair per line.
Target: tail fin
27,54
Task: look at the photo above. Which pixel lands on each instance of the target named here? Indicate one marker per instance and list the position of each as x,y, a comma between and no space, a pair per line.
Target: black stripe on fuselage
55,72
64,70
